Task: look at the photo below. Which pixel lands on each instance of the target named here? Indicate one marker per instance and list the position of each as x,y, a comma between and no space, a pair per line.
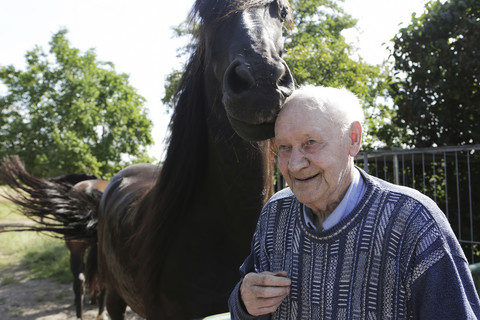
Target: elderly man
341,244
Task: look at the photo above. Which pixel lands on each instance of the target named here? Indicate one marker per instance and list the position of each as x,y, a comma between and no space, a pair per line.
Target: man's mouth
308,178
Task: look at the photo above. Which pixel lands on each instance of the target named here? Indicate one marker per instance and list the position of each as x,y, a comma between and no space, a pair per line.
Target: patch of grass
43,256
7,279
8,211
3,190
13,245
4,202
49,260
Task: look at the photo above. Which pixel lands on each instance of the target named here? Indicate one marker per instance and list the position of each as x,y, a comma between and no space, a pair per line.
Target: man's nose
297,160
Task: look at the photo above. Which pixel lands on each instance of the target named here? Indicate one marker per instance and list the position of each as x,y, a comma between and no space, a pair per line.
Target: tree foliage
317,53
68,112
437,66
172,81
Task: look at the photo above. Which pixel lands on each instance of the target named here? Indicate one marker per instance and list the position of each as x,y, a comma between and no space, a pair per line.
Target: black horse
171,239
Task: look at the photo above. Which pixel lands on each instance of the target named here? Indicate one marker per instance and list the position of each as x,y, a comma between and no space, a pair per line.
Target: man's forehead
302,118
301,105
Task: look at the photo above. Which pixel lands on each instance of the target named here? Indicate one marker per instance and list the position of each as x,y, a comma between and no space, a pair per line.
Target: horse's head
243,50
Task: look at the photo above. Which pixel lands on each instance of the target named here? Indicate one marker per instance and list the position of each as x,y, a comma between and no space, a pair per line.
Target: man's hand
263,292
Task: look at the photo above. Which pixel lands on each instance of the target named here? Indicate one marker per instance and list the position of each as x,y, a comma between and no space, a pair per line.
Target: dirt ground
21,298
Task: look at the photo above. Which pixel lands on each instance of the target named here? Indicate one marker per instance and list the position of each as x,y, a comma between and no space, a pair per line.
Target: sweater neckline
348,222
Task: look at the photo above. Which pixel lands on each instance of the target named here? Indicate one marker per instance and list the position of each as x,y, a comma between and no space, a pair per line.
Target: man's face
313,154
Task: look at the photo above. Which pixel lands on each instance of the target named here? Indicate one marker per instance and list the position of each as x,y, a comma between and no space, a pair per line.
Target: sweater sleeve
235,305
445,291
254,262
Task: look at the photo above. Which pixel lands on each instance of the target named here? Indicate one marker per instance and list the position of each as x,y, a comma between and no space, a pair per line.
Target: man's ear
355,138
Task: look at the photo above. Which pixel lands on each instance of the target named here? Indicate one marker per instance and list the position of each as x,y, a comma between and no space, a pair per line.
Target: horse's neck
236,186
242,167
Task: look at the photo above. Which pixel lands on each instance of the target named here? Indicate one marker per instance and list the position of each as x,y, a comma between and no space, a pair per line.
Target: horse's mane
167,203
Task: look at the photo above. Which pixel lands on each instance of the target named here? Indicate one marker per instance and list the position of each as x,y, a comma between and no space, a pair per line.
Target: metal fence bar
413,171
446,184
385,167
434,178
396,178
470,201
365,163
423,174
458,198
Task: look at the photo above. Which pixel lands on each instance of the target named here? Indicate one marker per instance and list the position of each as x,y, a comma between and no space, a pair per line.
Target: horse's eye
283,14
281,10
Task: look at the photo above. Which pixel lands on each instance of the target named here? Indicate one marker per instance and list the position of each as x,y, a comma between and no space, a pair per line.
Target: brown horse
170,241
37,198
78,248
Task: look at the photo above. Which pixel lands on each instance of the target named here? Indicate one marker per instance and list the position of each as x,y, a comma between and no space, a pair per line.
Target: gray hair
340,105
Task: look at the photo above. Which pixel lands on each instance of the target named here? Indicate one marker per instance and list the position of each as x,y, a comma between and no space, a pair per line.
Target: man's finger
269,279
271,291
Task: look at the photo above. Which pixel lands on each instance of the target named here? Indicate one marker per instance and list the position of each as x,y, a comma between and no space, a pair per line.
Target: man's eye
283,150
310,144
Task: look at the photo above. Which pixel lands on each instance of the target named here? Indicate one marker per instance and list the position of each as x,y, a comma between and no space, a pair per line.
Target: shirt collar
352,197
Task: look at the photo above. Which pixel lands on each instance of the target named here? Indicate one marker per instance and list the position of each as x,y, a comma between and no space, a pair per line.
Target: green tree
317,53
68,112
437,74
172,81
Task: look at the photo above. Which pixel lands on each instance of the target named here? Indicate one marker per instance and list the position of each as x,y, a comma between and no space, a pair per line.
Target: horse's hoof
102,316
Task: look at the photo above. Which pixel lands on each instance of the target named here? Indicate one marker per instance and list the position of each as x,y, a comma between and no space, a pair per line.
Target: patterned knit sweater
393,257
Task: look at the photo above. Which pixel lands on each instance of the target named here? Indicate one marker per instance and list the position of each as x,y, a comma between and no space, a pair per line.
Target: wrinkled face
243,50
313,155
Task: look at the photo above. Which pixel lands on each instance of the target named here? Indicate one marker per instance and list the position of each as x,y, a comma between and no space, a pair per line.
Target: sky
137,37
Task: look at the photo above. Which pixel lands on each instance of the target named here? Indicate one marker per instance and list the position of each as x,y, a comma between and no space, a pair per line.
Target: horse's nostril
286,83
239,78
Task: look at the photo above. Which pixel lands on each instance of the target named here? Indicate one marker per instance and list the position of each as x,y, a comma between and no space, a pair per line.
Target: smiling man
341,244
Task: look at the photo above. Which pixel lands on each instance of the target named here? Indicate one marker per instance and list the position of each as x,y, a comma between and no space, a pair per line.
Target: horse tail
54,207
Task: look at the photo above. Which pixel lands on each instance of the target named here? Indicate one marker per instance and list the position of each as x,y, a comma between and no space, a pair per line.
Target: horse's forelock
215,10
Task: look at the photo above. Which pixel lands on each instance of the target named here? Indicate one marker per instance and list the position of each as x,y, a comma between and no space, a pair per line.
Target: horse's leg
77,252
116,306
102,315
